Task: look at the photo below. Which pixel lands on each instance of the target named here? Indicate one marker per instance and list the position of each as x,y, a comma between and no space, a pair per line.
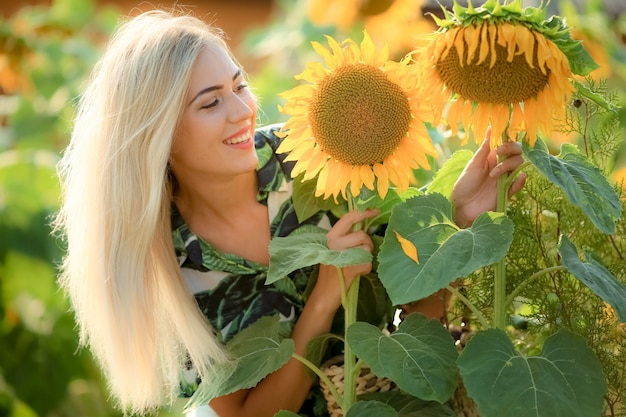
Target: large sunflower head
358,122
394,22
501,65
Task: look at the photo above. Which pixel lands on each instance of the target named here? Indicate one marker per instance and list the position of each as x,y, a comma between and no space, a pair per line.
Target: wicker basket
367,382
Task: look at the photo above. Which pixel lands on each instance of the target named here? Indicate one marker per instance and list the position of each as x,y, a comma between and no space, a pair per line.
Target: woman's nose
241,108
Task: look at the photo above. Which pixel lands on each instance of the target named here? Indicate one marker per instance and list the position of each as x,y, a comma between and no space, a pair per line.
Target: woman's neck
229,217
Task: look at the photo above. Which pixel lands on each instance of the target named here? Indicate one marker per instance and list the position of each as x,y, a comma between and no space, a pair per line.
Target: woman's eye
242,86
211,104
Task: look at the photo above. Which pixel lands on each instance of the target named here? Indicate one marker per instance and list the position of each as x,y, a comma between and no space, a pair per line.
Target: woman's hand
342,236
476,189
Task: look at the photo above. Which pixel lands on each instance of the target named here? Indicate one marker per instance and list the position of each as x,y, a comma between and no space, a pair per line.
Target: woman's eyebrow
214,87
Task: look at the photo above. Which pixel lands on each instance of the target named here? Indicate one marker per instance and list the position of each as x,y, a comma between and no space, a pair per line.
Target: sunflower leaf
420,356
566,379
446,177
288,254
371,409
595,276
305,203
408,405
445,251
259,349
597,98
582,182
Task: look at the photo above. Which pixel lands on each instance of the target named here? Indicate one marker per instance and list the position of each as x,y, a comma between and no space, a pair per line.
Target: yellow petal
337,51
484,44
322,51
454,116
481,122
355,181
367,176
383,179
408,247
468,110
543,52
313,72
459,46
507,32
317,161
499,119
493,30
472,38
526,43
517,118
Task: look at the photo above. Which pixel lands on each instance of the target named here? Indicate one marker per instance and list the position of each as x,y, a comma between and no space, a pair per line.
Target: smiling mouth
238,139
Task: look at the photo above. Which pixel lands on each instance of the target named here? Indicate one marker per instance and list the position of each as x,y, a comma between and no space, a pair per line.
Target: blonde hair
132,306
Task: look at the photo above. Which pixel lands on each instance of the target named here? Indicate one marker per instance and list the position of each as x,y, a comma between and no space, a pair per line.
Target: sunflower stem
350,298
499,289
350,366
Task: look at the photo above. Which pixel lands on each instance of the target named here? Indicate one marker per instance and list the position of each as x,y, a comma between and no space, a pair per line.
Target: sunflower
394,22
501,65
359,121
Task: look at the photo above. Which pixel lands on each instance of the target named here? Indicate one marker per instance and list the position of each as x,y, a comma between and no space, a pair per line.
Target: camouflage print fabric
230,290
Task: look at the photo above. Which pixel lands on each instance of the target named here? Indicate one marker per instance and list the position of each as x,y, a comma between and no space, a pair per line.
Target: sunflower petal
367,175
481,121
408,247
484,44
459,42
382,182
493,30
472,38
543,51
454,116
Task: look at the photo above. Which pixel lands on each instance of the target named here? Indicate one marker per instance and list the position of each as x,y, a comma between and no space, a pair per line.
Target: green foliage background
50,51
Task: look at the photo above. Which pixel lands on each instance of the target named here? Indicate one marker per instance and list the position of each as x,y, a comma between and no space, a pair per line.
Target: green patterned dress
230,290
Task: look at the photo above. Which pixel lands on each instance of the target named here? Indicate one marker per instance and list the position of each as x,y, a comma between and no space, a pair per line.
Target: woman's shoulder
266,135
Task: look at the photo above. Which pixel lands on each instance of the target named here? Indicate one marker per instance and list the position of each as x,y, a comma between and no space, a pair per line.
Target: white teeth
238,139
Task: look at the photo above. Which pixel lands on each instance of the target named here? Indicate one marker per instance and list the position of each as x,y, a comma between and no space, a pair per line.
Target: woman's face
216,133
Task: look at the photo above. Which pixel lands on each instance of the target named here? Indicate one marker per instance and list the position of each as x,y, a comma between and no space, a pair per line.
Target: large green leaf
420,356
408,405
583,183
445,251
371,409
446,177
595,276
565,380
305,202
259,349
288,254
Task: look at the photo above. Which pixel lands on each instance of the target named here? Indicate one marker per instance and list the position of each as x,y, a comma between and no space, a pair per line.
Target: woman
168,191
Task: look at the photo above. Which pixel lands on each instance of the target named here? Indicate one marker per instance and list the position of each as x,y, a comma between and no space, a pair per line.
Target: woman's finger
507,165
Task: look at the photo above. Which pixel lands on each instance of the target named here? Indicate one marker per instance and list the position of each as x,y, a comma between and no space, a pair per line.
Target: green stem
350,365
515,173
499,306
481,318
350,299
323,377
529,280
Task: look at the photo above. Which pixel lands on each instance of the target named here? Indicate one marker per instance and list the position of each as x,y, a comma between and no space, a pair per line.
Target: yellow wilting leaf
408,247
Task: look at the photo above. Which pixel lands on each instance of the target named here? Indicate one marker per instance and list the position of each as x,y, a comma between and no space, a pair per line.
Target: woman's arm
288,387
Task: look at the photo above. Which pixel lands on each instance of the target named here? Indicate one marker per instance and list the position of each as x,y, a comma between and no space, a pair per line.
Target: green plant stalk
322,376
499,289
530,279
350,365
481,318
349,300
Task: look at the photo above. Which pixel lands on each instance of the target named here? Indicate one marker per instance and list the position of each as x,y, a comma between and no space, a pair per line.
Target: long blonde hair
132,306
